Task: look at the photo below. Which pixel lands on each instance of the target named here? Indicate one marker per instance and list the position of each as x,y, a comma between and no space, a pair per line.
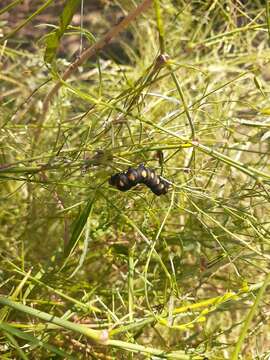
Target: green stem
13,341
81,305
100,336
248,170
180,355
131,283
179,89
160,26
33,341
10,6
249,318
30,18
229,33
212,303
267,9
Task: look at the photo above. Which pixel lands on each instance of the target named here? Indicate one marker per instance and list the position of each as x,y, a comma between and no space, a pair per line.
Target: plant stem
249,318
94,49
100,336
160,27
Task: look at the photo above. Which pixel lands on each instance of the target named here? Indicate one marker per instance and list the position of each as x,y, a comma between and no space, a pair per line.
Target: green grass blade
78,227
160,26
10,6
53,39
13,341
249,318
26,21
33,340
267,10
96,335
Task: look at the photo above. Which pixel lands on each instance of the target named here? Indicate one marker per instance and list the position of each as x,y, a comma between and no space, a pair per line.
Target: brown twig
94,49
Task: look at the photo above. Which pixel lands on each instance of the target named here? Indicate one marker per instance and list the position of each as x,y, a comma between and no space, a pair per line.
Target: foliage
91,272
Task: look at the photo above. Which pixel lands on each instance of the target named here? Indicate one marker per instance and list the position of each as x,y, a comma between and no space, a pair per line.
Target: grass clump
91,272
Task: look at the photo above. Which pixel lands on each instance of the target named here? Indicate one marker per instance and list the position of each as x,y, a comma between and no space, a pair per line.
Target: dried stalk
94,49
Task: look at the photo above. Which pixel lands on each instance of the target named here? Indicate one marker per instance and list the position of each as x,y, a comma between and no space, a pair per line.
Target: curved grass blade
78,227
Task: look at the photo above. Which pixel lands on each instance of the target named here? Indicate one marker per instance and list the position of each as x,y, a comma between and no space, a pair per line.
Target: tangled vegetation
88,271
